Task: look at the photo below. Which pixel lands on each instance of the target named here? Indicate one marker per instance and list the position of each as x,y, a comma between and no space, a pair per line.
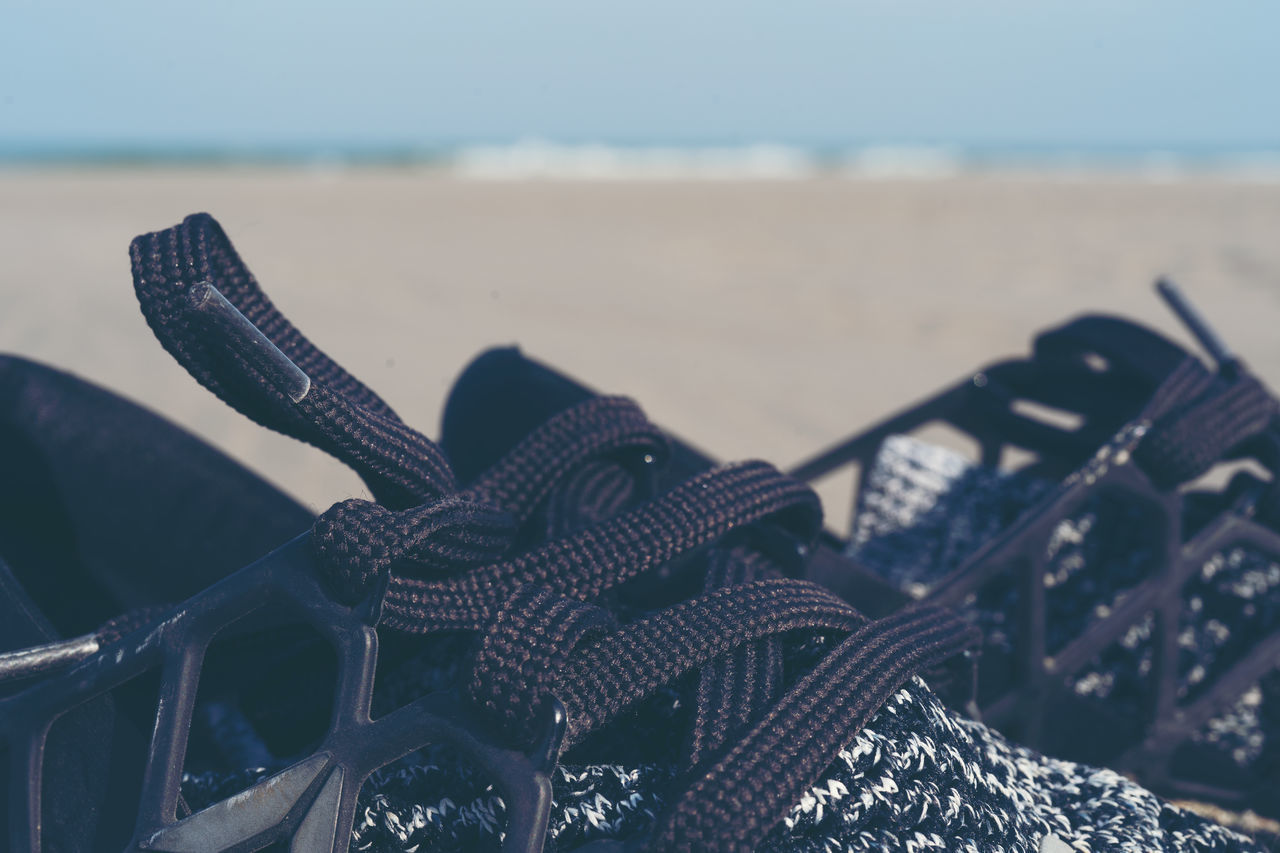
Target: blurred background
769,223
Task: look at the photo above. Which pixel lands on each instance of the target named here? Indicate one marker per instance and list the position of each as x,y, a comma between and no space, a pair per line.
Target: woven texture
915,778
924,509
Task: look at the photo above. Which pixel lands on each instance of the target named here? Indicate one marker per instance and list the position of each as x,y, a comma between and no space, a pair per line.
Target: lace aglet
1197,325
249,340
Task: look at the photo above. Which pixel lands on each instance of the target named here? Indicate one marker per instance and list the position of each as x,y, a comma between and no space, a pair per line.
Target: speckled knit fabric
924,509
917,778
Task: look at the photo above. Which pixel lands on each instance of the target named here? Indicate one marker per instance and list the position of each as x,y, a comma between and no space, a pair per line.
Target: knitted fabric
924,509
918,777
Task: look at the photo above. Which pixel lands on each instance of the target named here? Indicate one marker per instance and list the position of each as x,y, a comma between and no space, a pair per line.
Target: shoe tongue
502,395
499,398
208,311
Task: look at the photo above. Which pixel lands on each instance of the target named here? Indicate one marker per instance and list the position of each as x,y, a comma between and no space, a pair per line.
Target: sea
533,159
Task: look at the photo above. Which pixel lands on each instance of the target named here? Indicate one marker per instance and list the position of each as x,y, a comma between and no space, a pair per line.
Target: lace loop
521,655
607,677
1198,418
737,800
735,687
585,565
524,477
541,641
357,541
338,413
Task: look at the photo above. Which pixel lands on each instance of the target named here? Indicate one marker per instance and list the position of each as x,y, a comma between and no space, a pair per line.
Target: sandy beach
758,319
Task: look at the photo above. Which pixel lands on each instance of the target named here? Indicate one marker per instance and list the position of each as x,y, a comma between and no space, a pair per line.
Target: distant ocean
539,159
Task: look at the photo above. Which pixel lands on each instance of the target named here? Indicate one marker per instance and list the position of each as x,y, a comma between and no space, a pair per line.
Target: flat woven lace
541,639
552,614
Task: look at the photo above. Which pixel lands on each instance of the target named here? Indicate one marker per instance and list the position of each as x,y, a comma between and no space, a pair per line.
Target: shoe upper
707,697
1142,499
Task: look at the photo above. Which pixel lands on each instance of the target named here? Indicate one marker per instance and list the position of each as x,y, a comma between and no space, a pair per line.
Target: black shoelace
541,639
552,622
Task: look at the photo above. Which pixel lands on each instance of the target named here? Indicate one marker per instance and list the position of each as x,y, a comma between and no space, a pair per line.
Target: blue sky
385,73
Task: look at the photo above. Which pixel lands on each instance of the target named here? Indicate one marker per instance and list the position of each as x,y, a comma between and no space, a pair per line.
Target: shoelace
542,633
541,641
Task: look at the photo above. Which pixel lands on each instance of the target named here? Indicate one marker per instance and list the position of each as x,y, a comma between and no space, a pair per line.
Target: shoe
1086,471
1128,589
554,652
106,509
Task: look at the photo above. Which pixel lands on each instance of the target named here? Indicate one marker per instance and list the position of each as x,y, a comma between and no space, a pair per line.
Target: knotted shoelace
546,616
541,639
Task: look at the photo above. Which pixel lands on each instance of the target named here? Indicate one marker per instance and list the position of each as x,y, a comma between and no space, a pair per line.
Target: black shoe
1131,606
555,651
1083,473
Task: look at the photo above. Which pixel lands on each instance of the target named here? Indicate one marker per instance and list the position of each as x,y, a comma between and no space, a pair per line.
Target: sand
758,319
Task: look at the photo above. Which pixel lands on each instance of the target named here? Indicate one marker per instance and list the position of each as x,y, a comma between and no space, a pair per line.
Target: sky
394,73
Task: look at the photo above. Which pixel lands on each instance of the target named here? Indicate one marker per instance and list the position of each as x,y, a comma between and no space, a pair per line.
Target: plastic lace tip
1196,324
250,341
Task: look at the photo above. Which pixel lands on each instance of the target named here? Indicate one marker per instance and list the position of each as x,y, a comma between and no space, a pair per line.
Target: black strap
1196,419
338,413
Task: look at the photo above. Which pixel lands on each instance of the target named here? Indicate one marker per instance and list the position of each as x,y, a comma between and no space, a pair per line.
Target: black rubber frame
1032,700
311,804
